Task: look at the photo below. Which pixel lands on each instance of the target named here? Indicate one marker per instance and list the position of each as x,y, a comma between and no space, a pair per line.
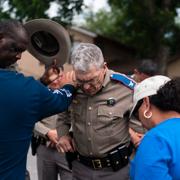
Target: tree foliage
147,25
30,9
104,22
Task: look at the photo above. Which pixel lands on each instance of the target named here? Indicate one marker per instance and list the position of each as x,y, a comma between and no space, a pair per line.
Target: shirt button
90,108
110,113
91,153
89,123
89,139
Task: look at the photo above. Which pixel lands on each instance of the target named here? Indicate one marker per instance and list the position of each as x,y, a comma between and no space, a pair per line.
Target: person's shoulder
18,76
21,75
123,79
159,131
28,81
170,125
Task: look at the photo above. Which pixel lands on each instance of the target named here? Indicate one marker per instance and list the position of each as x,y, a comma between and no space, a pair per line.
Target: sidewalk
31,166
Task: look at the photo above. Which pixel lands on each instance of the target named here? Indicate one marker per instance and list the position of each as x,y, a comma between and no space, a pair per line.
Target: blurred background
127,31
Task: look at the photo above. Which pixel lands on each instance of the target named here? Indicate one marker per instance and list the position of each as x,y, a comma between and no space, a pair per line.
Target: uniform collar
107,77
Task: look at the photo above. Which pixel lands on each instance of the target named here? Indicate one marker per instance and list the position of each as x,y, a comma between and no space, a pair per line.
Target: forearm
54,102
137,126
63,124
41,129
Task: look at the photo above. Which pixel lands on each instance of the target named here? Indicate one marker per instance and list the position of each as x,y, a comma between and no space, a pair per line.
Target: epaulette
122,78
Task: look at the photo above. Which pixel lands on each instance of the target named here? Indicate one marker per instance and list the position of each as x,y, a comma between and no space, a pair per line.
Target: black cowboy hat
48,40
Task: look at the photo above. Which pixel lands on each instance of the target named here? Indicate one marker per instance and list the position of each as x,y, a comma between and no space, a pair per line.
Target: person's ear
147,103
147,108
105,65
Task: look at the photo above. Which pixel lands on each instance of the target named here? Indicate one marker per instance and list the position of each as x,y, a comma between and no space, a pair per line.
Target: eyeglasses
92,82
138,105
58,74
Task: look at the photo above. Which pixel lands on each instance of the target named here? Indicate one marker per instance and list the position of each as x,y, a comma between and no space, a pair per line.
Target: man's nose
18,56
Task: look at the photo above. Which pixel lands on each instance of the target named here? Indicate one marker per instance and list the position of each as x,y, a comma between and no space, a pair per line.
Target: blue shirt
23,101
158,156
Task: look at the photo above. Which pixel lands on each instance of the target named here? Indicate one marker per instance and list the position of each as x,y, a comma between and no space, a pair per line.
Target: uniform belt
117,158
42,140
95,163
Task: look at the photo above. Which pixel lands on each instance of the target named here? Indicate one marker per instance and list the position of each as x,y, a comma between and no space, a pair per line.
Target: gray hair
85,55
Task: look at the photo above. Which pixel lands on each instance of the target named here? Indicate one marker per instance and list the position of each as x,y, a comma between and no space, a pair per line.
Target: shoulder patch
125,80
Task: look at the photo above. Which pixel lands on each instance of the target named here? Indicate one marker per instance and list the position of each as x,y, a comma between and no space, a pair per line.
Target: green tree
149,26
24,10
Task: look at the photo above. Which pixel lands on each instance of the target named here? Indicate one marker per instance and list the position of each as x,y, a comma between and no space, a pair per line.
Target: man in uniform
50,162
100,127
145,69
23,102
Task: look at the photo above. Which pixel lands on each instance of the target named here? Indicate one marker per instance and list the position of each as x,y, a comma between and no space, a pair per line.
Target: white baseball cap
148,87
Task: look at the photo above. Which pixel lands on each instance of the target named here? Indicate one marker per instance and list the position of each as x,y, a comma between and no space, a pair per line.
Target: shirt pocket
107,121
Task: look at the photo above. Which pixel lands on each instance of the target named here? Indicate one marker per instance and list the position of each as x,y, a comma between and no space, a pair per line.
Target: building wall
79,37
117,56
30,66
173,69
126,67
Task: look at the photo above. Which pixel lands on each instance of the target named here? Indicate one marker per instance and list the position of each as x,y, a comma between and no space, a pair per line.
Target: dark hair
138,105
148,67
8,27
16,33
168,96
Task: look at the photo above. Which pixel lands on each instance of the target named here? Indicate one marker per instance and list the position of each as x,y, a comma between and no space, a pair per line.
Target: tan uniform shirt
99,127
42,127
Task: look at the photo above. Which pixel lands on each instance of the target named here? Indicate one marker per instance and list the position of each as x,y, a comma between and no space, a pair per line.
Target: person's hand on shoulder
56,78
68,78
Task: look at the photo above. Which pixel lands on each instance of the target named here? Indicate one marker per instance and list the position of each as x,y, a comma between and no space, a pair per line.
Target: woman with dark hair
157,105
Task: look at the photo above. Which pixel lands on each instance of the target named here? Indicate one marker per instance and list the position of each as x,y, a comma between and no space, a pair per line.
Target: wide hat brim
48,41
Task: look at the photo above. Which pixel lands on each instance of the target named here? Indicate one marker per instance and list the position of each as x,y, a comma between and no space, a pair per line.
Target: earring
147,116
